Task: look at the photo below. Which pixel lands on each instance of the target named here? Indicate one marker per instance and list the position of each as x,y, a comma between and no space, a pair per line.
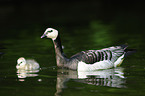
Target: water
19,39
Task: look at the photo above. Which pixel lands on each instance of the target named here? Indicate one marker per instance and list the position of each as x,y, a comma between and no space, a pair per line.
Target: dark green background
83,25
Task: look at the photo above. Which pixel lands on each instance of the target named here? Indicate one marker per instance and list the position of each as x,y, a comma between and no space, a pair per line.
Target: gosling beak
43,36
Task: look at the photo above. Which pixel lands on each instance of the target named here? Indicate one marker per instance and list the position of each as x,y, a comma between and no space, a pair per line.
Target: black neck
60,57
57,45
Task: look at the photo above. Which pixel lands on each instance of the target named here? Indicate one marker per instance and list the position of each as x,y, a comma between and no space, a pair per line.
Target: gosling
29,64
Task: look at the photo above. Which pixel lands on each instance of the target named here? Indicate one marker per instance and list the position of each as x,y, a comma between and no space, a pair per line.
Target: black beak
43,36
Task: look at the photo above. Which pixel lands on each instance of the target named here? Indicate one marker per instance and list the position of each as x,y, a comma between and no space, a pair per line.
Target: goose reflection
27,68
109,77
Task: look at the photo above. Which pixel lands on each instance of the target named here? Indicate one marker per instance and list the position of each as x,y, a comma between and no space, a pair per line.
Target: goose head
50,33
20,62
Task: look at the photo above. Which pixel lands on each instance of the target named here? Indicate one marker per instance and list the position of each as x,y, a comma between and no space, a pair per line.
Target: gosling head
50,33
20,62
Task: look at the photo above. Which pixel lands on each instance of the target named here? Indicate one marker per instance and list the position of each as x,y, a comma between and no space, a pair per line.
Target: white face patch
51,33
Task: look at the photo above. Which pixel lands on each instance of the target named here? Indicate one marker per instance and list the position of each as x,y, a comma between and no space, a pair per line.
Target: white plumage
82,66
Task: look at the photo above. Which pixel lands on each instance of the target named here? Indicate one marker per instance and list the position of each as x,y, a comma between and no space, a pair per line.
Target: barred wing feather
93,56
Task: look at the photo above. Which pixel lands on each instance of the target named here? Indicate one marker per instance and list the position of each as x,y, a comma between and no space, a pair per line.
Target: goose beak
43,36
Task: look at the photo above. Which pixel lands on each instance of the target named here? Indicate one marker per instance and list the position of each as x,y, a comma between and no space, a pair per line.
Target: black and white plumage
88,60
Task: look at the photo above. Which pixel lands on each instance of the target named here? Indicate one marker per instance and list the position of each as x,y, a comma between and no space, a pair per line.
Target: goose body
29,64
87,60
100,59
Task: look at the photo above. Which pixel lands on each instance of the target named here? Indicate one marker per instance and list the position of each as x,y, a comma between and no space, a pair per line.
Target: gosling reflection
109,77
27,73
27,68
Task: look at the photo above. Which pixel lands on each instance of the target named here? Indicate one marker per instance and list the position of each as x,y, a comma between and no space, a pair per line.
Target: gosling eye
20,63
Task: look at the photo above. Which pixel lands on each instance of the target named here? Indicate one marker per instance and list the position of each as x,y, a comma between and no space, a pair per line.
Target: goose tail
129,52
124,46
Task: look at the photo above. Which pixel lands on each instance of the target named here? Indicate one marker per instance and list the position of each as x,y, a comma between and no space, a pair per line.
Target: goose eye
50,31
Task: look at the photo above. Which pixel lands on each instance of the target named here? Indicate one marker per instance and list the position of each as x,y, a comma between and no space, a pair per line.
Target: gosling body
29,64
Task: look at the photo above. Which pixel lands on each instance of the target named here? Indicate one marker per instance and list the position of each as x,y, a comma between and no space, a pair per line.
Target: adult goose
87,60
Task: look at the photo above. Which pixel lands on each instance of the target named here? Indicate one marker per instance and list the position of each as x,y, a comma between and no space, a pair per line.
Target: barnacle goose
88,60
27,64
